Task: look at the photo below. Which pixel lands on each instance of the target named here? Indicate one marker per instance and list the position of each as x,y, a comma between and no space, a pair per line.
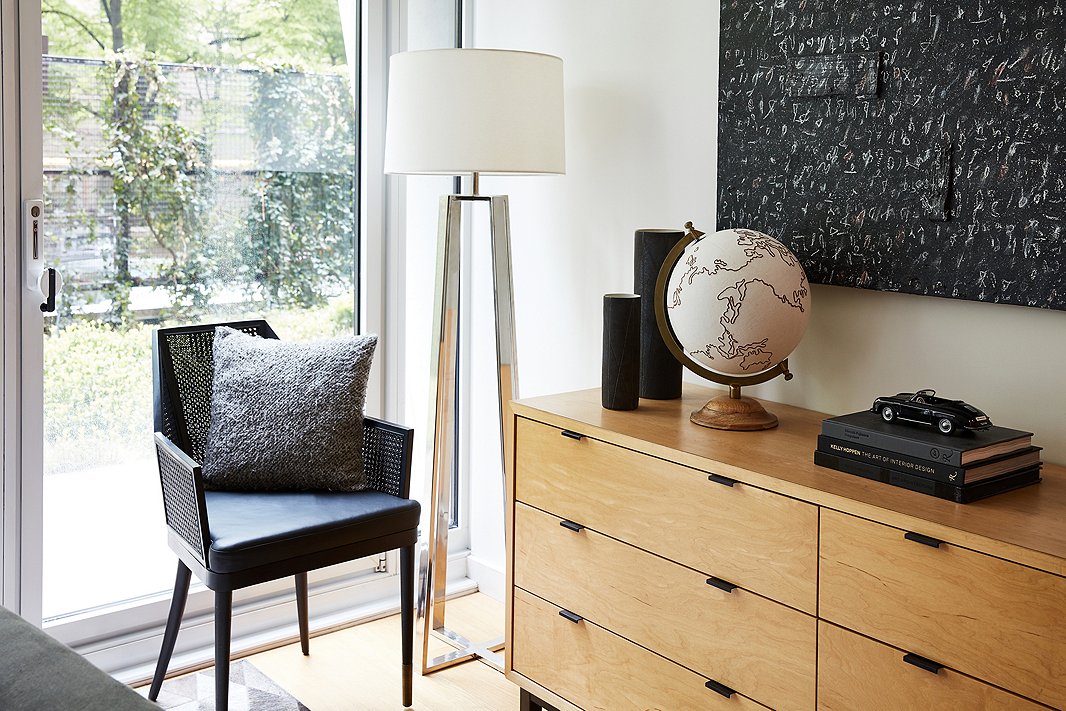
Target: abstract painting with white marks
912,146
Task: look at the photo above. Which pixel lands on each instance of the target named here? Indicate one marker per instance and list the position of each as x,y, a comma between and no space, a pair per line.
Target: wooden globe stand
735,412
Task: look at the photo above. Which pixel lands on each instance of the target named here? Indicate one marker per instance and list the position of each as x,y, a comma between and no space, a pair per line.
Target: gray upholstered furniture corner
37,673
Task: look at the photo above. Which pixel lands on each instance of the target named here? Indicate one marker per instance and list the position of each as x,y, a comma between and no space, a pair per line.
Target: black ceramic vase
660,371
621,351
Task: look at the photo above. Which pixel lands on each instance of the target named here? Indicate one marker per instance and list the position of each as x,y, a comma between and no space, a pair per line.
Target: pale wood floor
358,669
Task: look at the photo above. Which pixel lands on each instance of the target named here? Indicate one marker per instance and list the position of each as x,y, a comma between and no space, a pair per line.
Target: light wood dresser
654,564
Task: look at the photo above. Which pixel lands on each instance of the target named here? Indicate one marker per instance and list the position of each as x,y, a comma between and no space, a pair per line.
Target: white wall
640,85
641,122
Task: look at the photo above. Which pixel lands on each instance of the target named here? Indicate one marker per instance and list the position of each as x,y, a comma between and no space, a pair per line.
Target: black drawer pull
576,527
573,435
924,540
719,479
570,616
722,584
922,663
719,688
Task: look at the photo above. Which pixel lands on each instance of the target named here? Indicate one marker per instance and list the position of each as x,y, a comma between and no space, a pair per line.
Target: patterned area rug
249,690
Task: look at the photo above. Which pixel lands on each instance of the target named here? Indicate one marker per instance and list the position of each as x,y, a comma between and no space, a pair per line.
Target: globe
737,302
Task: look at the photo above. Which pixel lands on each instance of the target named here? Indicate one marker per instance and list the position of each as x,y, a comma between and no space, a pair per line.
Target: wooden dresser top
1027,526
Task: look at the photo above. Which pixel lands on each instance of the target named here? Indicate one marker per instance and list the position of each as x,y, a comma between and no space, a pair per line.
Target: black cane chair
235,539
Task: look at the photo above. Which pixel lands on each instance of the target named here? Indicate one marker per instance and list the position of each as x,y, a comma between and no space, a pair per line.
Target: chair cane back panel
387,457
187,363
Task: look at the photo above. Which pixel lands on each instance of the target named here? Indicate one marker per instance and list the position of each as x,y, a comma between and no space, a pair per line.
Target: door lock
35,220
32,233
32,210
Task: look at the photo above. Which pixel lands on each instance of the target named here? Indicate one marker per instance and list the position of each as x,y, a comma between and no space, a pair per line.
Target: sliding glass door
199,165
193,161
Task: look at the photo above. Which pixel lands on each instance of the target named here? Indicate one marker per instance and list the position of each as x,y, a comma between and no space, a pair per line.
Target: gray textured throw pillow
287,416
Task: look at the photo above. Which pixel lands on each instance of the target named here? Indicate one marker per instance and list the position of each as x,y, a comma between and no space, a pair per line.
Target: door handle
50,283
46,281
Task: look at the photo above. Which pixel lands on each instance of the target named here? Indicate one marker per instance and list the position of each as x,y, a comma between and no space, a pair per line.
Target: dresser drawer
759,540
594,669
986,617
732,637
858,673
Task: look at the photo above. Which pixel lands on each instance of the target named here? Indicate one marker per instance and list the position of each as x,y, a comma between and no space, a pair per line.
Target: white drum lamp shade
461,111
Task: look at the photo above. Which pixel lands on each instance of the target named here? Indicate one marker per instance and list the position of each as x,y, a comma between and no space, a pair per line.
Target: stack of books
962,467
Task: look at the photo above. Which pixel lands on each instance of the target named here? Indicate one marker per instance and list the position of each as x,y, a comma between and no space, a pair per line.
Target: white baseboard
489,577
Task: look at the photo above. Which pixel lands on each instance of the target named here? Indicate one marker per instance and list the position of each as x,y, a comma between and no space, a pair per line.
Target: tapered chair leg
301,611
170,636
407,618
223,619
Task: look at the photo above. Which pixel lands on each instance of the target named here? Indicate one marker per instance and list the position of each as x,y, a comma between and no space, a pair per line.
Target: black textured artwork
903,146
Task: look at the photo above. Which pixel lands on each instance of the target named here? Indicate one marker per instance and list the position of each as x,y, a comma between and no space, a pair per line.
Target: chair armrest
183,496
387,451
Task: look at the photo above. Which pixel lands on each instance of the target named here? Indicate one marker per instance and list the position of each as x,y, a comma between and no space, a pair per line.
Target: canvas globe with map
737,302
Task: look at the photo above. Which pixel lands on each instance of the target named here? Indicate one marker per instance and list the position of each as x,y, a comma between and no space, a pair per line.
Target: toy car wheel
945,425
887,413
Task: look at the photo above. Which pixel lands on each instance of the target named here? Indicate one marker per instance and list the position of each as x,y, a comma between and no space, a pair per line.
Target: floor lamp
468,112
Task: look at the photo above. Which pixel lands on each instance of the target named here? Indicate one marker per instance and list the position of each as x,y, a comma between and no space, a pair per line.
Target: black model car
924,407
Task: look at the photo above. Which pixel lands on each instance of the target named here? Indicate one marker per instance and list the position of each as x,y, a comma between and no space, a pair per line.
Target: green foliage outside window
160,176
298,237
301,234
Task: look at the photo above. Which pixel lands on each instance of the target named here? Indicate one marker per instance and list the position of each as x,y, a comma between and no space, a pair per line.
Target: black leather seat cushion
250,529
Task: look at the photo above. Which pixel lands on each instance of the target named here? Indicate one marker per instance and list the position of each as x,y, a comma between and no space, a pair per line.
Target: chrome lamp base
444,388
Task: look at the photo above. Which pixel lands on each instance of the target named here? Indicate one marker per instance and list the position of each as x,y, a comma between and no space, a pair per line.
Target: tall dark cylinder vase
660,371
621,352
